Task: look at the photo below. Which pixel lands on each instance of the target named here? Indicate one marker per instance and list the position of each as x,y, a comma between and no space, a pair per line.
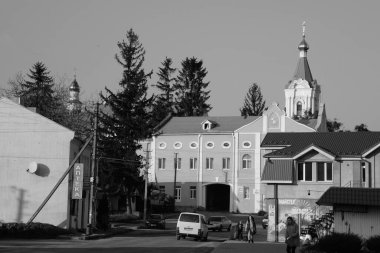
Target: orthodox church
74,104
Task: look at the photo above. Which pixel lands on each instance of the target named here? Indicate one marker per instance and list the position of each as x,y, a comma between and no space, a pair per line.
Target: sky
240,42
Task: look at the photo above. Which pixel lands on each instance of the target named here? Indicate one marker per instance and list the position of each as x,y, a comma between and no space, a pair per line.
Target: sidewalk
243,247
115,229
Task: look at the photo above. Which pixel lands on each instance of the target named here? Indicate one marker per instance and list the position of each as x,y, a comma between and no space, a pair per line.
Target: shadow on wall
42,170
21,202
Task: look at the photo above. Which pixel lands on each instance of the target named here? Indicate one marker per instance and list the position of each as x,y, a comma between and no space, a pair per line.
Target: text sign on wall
77,181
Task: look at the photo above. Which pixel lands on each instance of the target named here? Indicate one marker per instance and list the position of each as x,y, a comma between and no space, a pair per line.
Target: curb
103,235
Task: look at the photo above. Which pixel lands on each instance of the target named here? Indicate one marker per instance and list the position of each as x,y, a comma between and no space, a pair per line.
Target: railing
355,183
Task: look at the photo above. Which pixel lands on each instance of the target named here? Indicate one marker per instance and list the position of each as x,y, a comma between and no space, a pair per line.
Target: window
305,171
363,172
193,192
162,145
177,196
193,163
226,144
209,163
162,189
193,145
299,108
247,144
247,162
226,163
161,163
324,171
206,126
177,163
246,192
187,217
209,144
177,145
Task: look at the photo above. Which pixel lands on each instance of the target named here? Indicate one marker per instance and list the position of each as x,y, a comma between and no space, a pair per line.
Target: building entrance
218,197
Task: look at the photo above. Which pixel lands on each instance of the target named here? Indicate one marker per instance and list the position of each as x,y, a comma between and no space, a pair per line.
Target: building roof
340,144
303,70
193,125
278,171
309,122
350,196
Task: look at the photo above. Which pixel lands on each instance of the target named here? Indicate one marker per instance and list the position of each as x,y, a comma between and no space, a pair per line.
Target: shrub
339,243
35,230
373,243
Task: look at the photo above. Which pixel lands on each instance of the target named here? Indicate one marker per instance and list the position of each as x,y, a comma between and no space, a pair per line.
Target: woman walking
250,227
292,237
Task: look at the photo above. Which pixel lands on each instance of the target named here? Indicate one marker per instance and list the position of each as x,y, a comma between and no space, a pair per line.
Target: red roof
350,196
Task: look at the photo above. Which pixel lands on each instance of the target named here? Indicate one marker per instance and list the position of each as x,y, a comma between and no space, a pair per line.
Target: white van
192,225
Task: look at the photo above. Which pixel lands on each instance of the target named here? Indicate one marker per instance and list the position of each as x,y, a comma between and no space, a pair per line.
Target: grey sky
240,42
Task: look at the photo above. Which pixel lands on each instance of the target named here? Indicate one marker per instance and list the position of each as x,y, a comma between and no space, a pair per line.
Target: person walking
240,228
250,228
292,237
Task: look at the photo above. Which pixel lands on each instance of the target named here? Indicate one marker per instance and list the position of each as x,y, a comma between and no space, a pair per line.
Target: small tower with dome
74,103
302,93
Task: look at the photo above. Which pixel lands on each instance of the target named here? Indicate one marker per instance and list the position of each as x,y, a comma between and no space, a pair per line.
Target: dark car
219,223
156,221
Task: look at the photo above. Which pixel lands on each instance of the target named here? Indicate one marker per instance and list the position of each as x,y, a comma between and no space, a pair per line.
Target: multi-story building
216,162
300,167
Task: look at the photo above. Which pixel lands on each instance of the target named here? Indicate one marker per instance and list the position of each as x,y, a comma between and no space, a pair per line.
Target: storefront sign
77,181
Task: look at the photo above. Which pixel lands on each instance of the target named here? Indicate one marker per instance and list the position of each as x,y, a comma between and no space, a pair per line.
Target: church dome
74,85
303,45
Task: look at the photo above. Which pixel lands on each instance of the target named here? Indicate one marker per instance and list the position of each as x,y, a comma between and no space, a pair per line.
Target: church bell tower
302,93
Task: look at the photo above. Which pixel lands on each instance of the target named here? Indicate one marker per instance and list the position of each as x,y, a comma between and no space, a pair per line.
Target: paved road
145,240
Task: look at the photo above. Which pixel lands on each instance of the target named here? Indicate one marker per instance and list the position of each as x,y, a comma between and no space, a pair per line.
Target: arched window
299,108
247,161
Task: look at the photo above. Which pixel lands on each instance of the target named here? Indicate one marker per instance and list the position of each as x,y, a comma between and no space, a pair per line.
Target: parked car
219,223
264,222
192,225
155,220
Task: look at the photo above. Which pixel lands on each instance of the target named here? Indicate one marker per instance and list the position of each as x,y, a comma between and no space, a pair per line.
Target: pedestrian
250,228
240,228
292,237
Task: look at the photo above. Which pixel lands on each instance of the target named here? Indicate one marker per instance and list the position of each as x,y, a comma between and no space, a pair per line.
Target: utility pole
175,177
93,162
147,153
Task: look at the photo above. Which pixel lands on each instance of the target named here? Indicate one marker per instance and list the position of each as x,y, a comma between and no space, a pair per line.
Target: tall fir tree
163,105
254,103
190,89
129,120
38,90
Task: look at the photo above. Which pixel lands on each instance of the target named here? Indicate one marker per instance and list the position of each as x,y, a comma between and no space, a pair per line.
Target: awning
278,172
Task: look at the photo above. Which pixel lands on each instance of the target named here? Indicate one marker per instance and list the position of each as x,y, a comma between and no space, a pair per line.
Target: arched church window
299,108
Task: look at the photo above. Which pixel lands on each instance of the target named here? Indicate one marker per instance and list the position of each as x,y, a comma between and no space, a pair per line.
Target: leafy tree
190,89
164,101
14,88
361,128
254,103
128,121
334,126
